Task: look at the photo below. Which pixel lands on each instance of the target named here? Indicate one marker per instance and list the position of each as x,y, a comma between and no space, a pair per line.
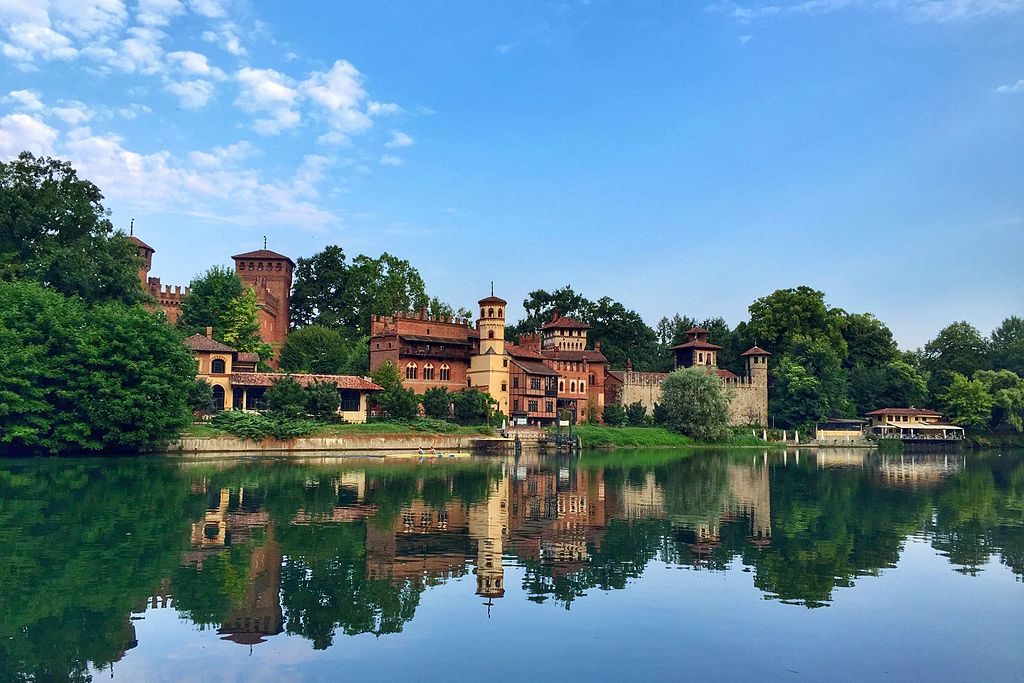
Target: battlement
389,324
166,293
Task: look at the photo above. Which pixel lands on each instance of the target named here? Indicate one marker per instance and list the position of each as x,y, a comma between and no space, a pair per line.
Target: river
835,565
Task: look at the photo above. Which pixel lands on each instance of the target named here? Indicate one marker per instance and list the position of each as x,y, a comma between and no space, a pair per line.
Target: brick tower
270,274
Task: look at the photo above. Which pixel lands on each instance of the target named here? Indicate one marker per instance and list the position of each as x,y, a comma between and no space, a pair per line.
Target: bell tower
488,369
270,275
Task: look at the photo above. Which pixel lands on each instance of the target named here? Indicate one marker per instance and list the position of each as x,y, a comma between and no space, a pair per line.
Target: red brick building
428,351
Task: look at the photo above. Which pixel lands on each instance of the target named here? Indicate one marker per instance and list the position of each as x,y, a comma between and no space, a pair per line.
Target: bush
437,403
697,405
472,406
660,414
636,414
399,403
200,397
258,427
614,415
286,398
322,401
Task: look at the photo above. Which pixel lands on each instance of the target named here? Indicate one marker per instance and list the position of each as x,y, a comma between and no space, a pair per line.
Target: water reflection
251,550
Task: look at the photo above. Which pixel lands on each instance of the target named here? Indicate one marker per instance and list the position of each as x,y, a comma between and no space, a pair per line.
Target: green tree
200,397
697,404
958,348
208,300
399,403
317,349
636,414
614,415
894,384
1007,392
55,231
437,403
796,398
623,335
540,305
108,377
1006,346
471,406
968,402
782,317
387,376
286,397
242,325
381,286
322,400
320,290
869,342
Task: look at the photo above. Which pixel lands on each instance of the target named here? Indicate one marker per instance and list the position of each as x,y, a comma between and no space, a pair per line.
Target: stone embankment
190,445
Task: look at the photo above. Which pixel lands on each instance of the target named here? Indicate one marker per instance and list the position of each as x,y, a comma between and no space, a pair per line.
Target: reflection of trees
84,543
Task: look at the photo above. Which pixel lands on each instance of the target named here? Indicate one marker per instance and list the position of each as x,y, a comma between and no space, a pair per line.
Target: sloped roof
905,411
577,356
534,367
617,375
244,357
496,300
199,342
698,344
265,379
565,324
697,330
727,374
517,351
263,254
755,351
139,243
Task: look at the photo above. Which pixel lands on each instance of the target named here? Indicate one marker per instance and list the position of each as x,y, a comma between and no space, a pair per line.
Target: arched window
499,312
482,313
218,397
572,387
410,371
561,385
446,373
428,371
217,366
490,312
583,387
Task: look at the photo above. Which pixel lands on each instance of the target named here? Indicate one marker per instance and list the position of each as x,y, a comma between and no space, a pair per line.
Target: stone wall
748,404
644,387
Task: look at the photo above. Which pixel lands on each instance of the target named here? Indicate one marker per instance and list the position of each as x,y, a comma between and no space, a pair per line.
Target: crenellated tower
270,275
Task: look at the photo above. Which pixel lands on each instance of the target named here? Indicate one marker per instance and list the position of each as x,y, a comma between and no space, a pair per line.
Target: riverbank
606,438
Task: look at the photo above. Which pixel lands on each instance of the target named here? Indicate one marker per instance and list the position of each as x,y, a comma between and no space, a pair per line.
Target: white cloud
944,11
226,38
745,39
25,42
214,9
382,108
21,132
192,94
87,19
140,52
398,139
339,94
133,110
195,63
73,113
267,91
391,160
1009,88
25,99
219,156
158,12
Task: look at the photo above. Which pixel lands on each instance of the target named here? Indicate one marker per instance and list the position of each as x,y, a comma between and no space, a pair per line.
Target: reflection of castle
259,614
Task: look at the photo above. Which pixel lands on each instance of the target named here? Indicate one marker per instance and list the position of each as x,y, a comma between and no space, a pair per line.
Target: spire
264,241
492,287
131,228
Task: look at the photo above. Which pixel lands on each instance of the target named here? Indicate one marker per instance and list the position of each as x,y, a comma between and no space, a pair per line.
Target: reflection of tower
751,496
488,370
260,613
488,525
212,532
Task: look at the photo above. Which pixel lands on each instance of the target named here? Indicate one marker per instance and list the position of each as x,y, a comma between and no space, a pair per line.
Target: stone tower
757,365
145,252
750,401
270,275
488,370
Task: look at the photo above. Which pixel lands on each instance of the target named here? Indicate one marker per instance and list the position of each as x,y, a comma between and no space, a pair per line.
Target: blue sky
677,156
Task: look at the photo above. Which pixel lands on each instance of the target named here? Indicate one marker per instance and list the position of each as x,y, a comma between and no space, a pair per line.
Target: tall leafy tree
968,402
1006,346
958,349
241,323
208,300
623,334
320,290
696,404
55,230
108,377
868,341
317,349
777,319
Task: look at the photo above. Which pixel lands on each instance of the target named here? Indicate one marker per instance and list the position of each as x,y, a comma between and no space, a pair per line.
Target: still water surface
634,565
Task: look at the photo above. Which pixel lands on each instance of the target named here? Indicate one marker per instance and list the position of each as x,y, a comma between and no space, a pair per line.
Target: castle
748,395
268,273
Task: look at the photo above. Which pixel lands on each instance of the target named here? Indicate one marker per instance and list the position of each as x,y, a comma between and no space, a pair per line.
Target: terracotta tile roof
139,243
263,254
697,330
755,351
265,379
565,324
727,374
493,300
577,356
905,411
244,357
450,341
199,342
534,367
618,375
523,352
699,345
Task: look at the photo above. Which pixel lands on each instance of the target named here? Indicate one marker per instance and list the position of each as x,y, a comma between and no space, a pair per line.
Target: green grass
600,436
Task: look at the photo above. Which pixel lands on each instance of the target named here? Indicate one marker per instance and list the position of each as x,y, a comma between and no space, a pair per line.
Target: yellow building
911,424
488,369
238,386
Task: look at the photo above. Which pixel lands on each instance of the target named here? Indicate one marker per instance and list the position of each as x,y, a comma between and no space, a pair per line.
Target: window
515,382
490,312
217,366
410,371
218,397
535,382
700,357
532,406
504,362
504,386
583,387
549,407
572,387
349,400
428,371
561,385
446,373
515,405
499,312
490,334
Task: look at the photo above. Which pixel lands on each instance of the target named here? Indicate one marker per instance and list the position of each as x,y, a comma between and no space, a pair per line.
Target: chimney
597,346
209,333
629,365
554,314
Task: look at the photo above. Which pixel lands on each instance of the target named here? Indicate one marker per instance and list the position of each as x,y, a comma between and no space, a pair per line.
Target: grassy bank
599,436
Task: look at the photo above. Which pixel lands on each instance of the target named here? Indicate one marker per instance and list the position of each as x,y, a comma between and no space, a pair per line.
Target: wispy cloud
1009,88
942,11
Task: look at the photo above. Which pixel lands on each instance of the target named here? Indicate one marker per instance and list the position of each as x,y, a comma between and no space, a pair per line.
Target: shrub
636,414
286,398
614,415
322,400
697,405
437,403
